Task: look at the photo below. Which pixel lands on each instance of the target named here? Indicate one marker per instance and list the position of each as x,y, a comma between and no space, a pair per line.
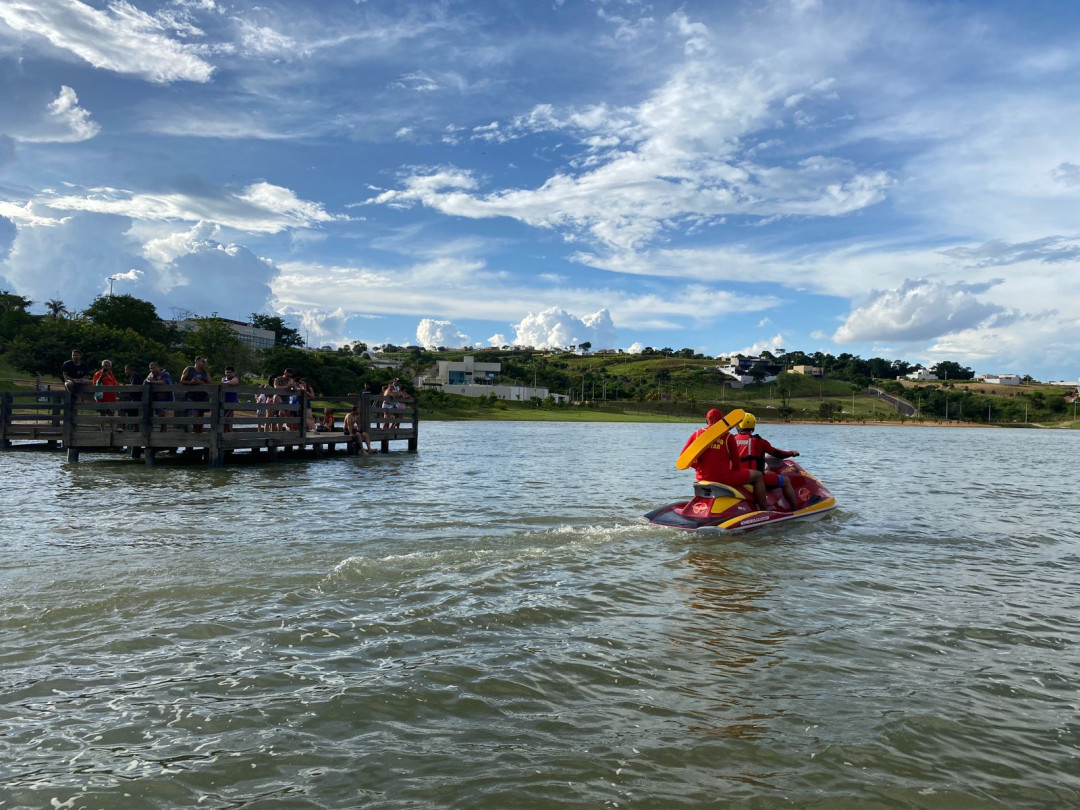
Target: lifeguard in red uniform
720,462
752,451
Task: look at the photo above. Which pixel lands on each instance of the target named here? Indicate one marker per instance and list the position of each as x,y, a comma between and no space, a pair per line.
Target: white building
468,378
740,366
1000,379
921,374
249,335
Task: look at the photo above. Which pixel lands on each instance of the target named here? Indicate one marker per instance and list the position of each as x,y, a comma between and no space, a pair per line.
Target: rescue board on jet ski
711,434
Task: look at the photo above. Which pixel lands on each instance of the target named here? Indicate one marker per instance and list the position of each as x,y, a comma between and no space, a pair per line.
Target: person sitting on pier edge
230,397
352,430
327,423
196,375
102,377
76,375
752,452
159,377
720,462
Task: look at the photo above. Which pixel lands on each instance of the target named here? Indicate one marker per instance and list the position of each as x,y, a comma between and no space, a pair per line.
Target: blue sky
896,179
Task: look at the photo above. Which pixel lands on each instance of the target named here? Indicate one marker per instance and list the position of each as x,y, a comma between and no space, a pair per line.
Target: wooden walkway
145,421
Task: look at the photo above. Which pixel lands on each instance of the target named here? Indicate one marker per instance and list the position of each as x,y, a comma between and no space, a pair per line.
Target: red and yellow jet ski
721,508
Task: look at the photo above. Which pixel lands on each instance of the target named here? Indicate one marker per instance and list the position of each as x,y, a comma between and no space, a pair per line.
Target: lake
487,624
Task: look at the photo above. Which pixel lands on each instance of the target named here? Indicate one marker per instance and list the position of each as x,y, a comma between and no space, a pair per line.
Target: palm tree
56,308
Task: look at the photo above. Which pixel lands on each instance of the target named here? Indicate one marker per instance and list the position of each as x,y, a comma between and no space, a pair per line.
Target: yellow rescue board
711,434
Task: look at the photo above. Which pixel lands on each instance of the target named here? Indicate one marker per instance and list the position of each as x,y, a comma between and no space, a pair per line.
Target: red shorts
772,479
735,478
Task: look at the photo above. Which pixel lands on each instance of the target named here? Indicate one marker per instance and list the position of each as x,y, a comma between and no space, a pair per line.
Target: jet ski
721,508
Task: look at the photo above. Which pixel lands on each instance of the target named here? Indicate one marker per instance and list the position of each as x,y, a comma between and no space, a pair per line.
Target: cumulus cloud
121,38
431,334
557,328
773,344
33,120
918,310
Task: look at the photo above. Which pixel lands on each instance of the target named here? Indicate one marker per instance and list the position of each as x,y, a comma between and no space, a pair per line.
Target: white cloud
674,160
498,339
555,328
260,208
262,40
431,334
122,38
773,345
64,122
918,310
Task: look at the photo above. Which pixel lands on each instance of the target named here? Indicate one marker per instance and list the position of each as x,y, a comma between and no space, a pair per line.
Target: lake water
487,625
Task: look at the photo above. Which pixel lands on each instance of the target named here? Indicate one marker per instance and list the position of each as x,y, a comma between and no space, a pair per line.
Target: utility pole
111,280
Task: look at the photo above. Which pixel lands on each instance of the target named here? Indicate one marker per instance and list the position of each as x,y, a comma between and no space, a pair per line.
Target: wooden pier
147,420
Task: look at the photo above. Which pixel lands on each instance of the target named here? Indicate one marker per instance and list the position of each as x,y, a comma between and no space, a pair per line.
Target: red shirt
753,449
718,461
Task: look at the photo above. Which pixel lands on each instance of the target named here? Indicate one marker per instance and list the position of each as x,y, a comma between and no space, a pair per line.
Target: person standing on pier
284,391
159,377
230,397
102,377
196,375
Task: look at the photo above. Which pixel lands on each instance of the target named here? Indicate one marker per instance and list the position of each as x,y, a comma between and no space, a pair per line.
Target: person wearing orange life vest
719,462
752,452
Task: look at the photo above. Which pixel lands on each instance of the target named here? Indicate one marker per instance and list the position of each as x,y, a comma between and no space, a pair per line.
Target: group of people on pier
284,388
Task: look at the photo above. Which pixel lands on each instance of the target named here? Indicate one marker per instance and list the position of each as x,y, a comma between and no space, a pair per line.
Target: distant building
921,374
469,378
740,367
1001,379
249,335
809,371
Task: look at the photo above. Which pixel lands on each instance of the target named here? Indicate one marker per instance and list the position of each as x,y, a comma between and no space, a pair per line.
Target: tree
43,347
584,346
215,340
14,316
56,308
129,312
948,370
283,335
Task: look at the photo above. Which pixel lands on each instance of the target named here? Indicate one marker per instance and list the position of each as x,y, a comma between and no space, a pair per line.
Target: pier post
215,451
146,423
415,438
5,420
69,427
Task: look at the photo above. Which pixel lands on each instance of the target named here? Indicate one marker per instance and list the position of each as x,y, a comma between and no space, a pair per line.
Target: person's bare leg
789,493
757,480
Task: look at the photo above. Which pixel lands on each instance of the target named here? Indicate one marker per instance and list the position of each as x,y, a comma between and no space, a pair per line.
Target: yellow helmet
748,422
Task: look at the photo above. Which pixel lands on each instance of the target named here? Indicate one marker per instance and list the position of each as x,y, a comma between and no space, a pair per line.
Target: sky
887,178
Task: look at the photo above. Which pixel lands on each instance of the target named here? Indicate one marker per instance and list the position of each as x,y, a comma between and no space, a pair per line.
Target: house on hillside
468,378
1000,379
809,371
746,369
921,374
